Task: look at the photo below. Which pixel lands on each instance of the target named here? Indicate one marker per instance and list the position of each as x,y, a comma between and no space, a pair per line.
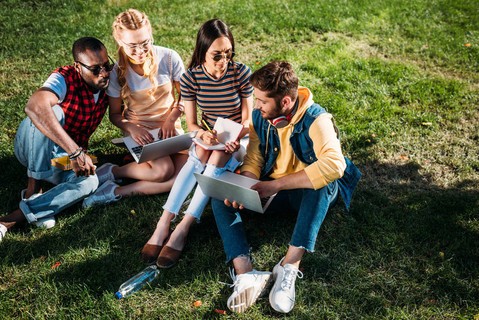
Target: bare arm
191,117
246,110
39,110
168,129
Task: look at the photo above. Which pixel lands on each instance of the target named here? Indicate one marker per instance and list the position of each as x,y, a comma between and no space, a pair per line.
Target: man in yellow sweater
295,151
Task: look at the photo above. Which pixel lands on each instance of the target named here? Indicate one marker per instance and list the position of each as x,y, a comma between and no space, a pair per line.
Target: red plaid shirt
82,115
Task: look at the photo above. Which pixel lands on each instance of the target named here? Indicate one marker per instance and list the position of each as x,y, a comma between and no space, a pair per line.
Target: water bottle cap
118,295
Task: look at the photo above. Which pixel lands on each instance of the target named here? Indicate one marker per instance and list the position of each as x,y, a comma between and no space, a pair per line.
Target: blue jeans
310,205
35,151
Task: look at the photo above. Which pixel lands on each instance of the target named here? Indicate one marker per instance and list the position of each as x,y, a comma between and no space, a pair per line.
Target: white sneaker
283,294
103,195
46,223
3,231
247,288
104,173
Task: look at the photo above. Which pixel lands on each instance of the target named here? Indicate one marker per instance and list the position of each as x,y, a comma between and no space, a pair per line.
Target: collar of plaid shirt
82,114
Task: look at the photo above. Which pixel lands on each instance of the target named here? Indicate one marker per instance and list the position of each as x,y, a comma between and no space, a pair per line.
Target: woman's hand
168,130
209,137
232,147
140,135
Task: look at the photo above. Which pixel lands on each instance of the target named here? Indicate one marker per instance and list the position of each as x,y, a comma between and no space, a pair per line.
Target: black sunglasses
228,55
96,70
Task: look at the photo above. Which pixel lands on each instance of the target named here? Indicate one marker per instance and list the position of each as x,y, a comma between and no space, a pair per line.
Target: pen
206,125
209,129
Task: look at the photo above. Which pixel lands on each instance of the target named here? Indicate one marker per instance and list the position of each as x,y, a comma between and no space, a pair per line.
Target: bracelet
75,153
180,106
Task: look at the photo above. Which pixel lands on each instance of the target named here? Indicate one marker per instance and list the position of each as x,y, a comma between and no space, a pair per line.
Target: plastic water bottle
137,282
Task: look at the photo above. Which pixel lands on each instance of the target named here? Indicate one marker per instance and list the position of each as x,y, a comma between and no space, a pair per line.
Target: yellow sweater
330,164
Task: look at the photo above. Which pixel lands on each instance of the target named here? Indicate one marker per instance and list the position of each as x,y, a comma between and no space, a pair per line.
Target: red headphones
281,121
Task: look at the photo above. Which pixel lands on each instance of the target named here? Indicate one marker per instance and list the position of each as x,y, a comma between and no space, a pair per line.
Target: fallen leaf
441,255
220,311
56,265
403,157
427,123
467,44
133,212
197,303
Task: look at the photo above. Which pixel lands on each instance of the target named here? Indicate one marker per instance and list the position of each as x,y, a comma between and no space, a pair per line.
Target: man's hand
83,165
233,204
266,188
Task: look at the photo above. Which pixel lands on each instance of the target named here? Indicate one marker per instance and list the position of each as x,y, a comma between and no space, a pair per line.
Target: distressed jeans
34,150
310,205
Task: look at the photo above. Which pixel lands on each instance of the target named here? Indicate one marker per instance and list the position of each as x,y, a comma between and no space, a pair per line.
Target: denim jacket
302,145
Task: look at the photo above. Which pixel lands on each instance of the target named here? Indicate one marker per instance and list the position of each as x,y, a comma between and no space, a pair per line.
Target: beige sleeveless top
151,110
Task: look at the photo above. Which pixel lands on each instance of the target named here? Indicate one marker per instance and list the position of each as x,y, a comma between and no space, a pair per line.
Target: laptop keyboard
264,201
137,150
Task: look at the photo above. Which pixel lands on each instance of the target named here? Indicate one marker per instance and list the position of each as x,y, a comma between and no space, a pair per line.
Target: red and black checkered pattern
82,115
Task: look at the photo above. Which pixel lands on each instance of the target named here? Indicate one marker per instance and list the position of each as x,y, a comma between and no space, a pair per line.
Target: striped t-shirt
217,98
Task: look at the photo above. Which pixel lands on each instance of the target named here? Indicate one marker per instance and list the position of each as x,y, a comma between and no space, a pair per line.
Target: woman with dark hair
220,87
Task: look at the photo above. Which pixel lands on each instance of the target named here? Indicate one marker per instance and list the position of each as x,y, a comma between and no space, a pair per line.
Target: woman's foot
151,250
171,252
177,239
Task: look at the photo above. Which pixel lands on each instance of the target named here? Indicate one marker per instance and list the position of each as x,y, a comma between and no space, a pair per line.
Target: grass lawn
400,78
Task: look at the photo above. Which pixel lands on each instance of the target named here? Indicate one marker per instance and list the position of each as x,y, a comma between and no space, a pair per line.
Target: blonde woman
142,97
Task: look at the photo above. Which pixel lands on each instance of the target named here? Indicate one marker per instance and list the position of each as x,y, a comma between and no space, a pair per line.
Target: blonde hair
133,19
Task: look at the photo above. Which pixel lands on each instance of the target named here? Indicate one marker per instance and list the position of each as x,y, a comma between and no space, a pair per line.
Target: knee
163,174
88,185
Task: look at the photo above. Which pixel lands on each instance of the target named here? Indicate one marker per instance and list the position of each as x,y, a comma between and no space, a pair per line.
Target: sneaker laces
289,276
233,277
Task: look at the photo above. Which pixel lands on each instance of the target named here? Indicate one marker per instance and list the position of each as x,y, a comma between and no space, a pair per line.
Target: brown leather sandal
168,257
150,252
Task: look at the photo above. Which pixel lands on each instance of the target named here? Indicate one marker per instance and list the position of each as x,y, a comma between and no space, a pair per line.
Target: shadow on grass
406,244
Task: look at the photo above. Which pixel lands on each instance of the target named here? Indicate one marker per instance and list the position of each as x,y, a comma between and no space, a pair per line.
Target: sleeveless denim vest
302,145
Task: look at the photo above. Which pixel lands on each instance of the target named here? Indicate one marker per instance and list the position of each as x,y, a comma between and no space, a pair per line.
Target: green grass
403,87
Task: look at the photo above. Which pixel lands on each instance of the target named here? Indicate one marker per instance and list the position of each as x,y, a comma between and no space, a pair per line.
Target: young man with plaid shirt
62,115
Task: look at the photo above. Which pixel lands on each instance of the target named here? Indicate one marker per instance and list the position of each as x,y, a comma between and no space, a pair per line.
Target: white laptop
234,187
160,147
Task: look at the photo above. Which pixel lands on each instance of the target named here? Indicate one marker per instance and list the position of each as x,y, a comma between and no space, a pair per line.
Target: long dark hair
208,33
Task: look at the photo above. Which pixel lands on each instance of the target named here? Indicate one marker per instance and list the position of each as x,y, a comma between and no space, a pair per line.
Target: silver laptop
160,147
234,187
